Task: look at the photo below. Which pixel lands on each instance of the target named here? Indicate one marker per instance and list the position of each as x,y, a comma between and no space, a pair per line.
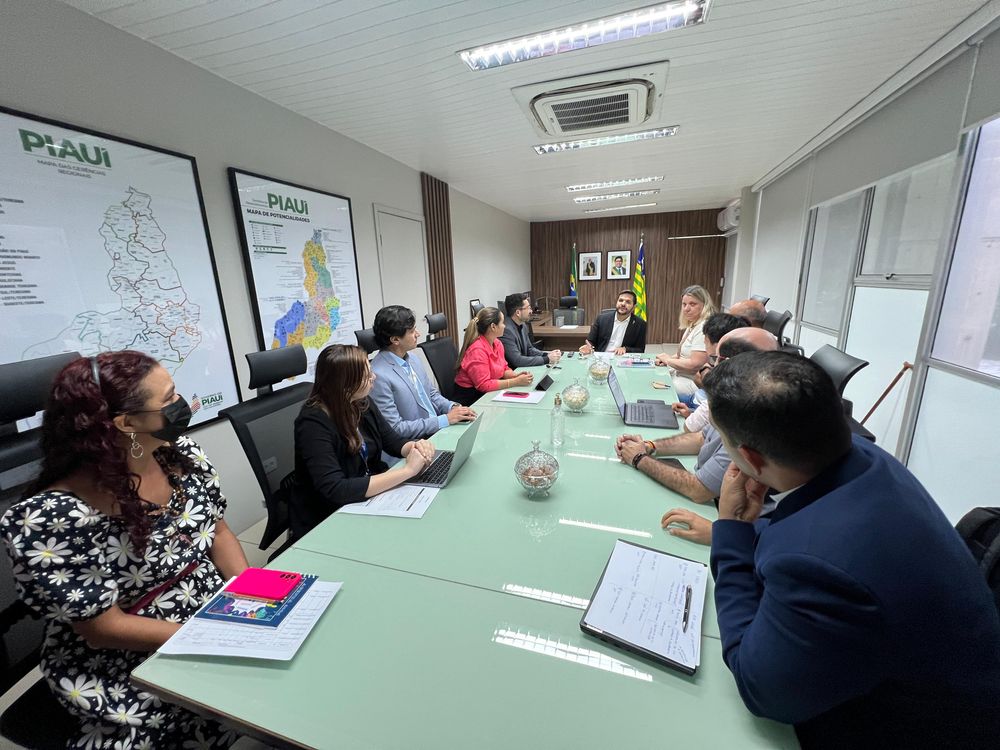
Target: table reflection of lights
592,456
567,652
602,527
546,596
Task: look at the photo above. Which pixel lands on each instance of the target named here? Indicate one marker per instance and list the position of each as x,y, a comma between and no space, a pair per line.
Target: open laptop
642,413
447,463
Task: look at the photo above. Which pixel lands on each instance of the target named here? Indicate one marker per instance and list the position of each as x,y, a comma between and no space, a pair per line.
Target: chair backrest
570,316
569,301
265,428
775,323
840,366
980,530
441,354
24,389
609,309
475,306
366,340
760,298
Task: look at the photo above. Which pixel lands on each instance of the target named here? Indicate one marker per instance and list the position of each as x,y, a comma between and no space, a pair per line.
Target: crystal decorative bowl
537,471
599,370
575,396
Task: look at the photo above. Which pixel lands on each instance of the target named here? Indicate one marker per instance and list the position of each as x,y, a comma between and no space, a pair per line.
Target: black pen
687,609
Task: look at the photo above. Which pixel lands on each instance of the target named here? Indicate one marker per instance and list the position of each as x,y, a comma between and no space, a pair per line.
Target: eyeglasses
713,359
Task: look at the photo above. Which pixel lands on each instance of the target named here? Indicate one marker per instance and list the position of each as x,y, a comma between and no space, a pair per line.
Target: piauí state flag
639,282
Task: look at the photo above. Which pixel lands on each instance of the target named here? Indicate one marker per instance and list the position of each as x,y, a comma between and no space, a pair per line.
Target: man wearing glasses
517,346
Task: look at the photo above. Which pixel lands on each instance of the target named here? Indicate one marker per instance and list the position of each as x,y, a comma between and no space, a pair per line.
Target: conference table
461,628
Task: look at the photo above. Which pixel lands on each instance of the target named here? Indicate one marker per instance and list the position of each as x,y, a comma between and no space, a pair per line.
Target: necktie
422,397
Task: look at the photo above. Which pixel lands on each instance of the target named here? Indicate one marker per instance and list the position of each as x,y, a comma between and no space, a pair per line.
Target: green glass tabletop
404,661
483,530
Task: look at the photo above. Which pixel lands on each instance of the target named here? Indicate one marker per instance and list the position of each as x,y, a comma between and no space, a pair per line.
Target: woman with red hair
120,541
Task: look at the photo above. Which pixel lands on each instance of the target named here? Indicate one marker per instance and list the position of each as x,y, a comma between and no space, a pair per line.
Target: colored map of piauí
312,322
156,316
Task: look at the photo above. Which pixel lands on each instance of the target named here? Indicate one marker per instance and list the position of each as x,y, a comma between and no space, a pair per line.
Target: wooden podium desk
564,339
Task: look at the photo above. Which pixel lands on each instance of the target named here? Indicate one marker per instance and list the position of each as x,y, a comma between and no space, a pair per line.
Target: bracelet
637,459
650,447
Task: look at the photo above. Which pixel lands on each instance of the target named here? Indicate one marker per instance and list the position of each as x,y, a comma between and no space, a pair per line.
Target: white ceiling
747,88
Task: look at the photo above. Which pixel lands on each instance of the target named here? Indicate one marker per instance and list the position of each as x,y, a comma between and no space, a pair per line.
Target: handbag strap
151,595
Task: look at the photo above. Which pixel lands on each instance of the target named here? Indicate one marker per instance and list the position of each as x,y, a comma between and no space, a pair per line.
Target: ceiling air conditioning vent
596,104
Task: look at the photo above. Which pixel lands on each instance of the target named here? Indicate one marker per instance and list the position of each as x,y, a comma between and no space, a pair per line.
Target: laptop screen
616,392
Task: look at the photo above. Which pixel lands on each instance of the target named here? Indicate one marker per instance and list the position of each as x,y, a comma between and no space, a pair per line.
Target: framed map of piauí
301,263
104,245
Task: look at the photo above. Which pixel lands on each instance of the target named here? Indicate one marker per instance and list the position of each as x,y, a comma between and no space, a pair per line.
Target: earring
135,450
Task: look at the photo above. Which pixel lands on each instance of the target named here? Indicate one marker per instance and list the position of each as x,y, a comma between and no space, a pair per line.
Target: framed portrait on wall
619,264
590,266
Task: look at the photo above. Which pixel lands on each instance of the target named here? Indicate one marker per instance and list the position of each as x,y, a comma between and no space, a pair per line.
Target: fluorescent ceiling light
612,184
606,140
617,208
633,24
614,196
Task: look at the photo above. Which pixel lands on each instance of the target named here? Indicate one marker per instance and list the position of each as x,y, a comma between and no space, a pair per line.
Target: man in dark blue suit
853,611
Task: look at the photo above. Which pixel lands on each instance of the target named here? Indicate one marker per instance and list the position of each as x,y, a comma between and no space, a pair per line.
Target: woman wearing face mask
119,542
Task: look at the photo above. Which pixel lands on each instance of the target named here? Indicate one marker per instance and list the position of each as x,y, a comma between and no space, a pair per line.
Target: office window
968,332
910,217
833,251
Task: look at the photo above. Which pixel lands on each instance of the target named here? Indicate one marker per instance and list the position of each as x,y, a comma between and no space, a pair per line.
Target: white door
402,261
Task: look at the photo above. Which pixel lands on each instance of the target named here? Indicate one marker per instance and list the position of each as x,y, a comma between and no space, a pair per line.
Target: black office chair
441,354
760,298
265,428
609,309
366,340
36,719
475,306
775,323
840,366
569,301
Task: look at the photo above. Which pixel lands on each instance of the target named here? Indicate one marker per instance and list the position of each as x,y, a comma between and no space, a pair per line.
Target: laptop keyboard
437,472
641,412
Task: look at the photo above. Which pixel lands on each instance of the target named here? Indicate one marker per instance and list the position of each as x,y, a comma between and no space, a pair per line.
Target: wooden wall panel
671,265
437,221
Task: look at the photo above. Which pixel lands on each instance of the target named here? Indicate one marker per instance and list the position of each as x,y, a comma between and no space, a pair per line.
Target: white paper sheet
522,397
405,501
569,326
213,638
652,600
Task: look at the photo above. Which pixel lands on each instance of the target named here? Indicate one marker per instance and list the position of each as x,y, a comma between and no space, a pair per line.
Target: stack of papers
405,501
210,637
519,397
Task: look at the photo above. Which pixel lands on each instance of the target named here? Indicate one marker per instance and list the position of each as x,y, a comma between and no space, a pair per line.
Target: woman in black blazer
339,442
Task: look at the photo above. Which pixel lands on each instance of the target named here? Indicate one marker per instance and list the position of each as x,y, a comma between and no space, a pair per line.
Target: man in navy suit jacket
411,405
854,610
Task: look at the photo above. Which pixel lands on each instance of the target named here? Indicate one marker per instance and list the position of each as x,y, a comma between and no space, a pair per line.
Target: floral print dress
72,562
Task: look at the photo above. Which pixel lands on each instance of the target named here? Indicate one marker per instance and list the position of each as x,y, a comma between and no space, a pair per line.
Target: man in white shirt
619,331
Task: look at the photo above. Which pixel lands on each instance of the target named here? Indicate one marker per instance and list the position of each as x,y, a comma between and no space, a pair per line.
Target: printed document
405,501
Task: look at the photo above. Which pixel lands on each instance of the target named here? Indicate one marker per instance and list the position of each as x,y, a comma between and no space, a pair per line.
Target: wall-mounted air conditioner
729,217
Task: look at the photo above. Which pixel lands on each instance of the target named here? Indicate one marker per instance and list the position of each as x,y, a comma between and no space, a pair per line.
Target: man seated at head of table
517,346
618,331
751,309
482,366
717,326
855,611
704,483
402,392
339,440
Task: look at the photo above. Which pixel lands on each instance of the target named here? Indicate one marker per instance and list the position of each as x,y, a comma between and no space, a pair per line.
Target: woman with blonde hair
482,366
339,442
696,308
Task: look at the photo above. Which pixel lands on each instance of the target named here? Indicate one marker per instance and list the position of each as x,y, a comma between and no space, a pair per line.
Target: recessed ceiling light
616,208
612,184
633,24
605,140
614,196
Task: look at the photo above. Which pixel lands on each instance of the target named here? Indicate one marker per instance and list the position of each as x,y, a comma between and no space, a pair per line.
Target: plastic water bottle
558,422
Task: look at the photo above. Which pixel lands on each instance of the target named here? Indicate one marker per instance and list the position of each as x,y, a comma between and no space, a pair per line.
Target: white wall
63,64
491,251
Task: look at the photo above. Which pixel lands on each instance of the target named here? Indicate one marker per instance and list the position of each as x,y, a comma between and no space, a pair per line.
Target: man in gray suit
402,392
517,346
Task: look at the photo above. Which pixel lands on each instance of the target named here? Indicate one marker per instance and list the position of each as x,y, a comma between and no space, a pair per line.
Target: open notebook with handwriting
651,603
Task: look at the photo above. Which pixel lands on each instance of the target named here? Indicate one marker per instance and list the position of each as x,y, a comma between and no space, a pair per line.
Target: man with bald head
751,309
704,483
